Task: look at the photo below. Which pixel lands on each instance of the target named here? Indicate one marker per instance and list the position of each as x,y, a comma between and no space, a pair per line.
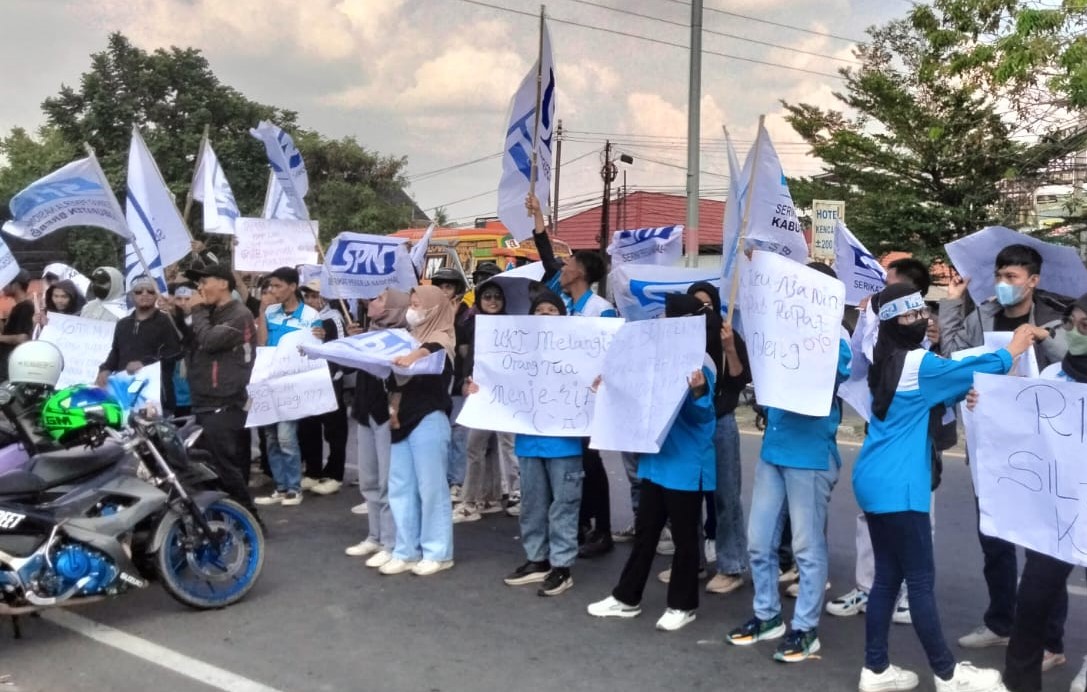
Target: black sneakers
596,543
557,581
528,573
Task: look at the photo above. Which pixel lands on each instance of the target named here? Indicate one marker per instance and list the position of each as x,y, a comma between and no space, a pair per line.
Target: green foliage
920,161
172,96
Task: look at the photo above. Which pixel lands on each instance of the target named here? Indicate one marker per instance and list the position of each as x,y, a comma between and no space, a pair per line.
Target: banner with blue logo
358,265
639,289
772,224
75,195
526,134
288,169
662,245
857,268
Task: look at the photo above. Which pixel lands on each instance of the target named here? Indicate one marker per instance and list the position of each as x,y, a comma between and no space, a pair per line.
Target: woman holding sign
419,408
893,481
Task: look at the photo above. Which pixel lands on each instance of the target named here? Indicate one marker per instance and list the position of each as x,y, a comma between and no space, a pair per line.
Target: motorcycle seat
19,482
64,465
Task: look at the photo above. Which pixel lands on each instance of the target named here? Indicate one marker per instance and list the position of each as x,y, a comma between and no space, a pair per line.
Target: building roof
642,209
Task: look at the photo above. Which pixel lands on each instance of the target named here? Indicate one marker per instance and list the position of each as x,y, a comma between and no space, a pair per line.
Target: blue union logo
42,193
363,258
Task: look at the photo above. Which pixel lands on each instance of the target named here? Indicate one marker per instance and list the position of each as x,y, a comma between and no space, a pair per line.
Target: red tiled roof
642,210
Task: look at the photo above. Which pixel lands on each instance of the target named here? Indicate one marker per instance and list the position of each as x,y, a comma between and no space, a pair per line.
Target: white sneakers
674,619
890,680
289,498
367,547
360,509
328,486
724,583
393,565
611,607
425,568
466,512
379,559
1079,683
968,678
398,566
846,605
981,638
309,483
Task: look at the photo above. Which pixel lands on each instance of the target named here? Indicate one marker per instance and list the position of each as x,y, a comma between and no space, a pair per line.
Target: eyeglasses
914,315
1079,325
143,292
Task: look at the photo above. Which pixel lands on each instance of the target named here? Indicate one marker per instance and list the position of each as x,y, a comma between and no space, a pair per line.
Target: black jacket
147,341
221,351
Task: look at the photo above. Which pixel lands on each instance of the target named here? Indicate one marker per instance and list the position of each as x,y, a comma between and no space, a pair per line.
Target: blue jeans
419,494
902,546
804,494
284,455
458,446
630,465
731,536
550,502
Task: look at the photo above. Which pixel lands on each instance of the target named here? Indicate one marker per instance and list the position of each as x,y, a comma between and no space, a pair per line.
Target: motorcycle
86,522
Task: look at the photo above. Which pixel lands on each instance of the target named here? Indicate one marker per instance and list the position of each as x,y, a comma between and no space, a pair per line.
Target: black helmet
484,271
448,275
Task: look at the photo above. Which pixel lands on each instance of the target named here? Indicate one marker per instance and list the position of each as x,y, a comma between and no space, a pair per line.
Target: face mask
414,317
1077,343
1009,294
915,332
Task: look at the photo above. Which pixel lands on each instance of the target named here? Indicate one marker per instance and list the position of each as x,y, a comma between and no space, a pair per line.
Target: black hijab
544,295
892,345
1076,366
684,305
75,302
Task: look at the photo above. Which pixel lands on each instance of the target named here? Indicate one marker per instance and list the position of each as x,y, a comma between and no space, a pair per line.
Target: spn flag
212,189
527,133
75,195
857,268
359,265
276,205
288,169
157,226
733,214
639,289
418,251
663,245
772,224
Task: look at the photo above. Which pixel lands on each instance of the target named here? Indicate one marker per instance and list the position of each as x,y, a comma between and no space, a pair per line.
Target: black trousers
657,505
595,491
1042,590
227,440
332,427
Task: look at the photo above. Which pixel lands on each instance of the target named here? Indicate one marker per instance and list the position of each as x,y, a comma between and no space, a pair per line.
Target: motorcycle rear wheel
206,576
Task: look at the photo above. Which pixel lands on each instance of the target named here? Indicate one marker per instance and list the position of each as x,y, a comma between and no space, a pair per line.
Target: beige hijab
438,326
388,309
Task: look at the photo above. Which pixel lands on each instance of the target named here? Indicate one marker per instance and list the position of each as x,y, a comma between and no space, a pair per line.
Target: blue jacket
894,469
546,447
686,460
807,442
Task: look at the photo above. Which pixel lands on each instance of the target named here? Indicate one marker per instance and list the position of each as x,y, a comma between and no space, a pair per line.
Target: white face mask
414,317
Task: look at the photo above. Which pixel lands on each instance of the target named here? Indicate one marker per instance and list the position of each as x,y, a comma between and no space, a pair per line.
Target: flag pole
743,223
321,256
117,208
192,181
539,102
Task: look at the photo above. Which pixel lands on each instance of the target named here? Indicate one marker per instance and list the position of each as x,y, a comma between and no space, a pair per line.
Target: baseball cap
313,286
217,271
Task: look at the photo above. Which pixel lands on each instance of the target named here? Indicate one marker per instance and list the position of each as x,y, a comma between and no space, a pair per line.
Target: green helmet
74,410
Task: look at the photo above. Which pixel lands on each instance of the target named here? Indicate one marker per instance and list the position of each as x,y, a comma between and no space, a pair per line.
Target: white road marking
181,664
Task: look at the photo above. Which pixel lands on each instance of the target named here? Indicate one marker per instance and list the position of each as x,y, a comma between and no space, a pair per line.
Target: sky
431,79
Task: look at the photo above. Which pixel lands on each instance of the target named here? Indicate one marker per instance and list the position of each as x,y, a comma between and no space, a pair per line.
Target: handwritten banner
1031,437
286,385
267,244
84,343
373,352
535,374
792,318
645,382
363,266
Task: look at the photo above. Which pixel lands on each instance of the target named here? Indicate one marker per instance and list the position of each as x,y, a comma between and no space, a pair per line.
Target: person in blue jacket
797,471
673,481
893,481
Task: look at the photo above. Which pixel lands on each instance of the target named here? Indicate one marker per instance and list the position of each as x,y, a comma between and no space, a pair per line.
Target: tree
918,160
171,95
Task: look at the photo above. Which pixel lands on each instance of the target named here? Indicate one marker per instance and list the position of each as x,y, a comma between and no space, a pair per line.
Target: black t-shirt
1003,323
20,321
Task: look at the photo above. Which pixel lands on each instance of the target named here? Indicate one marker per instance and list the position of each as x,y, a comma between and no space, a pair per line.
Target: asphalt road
319,620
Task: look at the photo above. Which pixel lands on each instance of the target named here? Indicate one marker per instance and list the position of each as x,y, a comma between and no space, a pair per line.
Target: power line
662,42
438,171
631,13
771,23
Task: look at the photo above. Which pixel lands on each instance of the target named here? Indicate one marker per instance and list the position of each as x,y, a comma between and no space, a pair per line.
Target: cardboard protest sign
1031,480
264,245
645,382
358,265
84,343
535,374
286,385
792,319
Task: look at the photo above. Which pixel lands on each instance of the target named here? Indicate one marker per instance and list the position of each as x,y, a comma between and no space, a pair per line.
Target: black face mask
914,332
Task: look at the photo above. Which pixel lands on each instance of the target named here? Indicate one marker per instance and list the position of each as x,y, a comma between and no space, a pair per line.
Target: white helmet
35,362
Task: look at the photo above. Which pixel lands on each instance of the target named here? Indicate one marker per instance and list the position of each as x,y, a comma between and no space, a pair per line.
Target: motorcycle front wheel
203,575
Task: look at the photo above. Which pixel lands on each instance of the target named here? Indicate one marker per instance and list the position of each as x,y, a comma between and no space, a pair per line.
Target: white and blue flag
288,171
772,224
156,224
75,195
662,245
527,133
418,251
857,268
358,265
730,233
211,188
639,289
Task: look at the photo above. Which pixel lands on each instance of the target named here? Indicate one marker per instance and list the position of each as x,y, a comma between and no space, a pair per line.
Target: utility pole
608,172
558,169
694,118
